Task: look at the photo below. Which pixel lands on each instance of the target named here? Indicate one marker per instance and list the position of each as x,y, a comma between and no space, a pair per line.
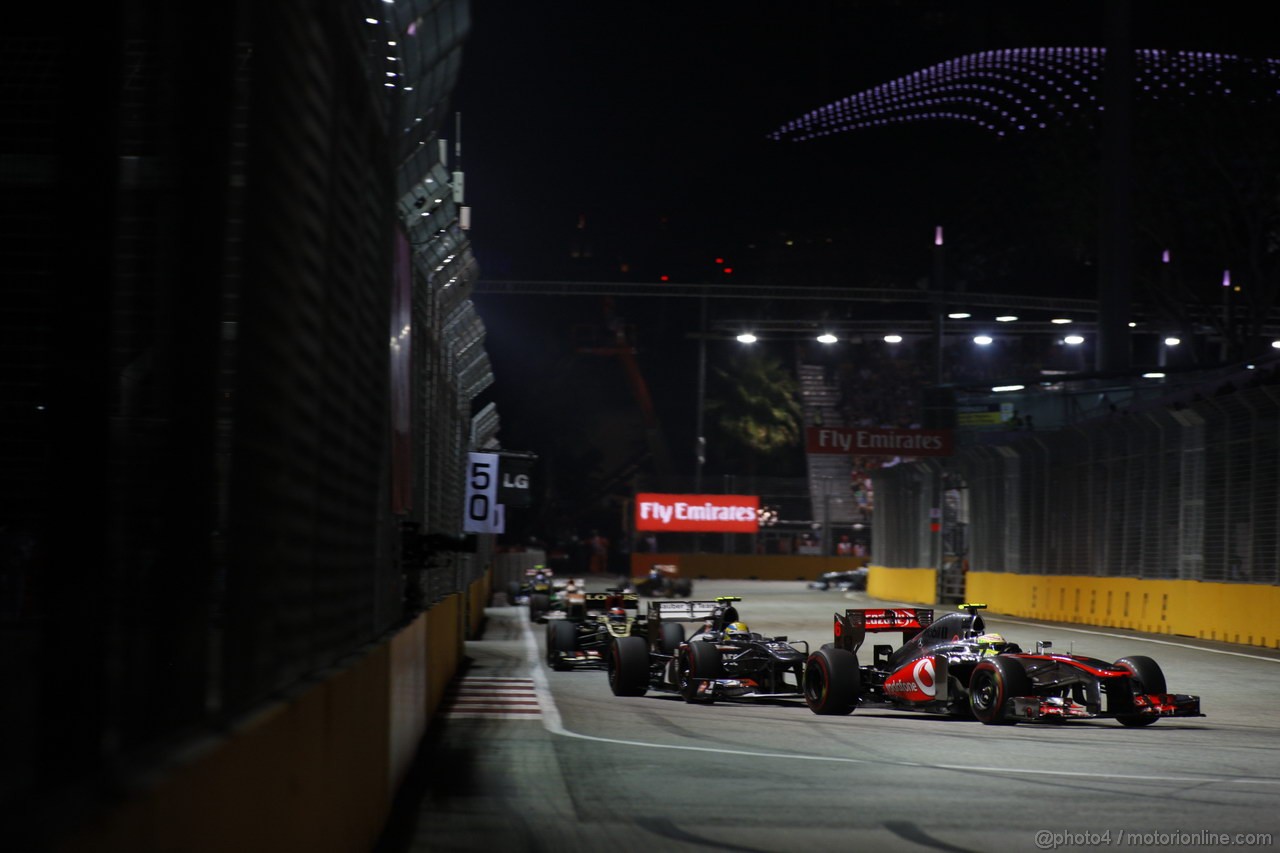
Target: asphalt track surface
523,758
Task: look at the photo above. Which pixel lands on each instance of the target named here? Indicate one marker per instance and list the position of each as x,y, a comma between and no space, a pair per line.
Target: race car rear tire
672,638
562,636
701,662
1147,678
629,666
832,681
683,587
513,592
539,604
994,681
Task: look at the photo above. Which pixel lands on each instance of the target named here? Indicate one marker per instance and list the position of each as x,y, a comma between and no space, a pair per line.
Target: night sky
625,142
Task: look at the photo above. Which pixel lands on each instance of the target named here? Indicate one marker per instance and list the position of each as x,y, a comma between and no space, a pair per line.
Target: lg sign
698,513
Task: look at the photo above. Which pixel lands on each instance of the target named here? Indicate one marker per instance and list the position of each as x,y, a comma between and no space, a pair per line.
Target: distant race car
537,581
846,579
548,596
581,639
953,666
664,581
566,596
722,659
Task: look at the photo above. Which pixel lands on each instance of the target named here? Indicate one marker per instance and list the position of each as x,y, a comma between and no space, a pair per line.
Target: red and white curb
483,697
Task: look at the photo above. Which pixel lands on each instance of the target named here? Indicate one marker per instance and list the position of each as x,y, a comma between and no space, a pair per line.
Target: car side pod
832,681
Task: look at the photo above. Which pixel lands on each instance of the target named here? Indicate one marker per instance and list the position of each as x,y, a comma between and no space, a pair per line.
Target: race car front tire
629,666
562,637
539,604
994,682
1147,677
832,681
701,663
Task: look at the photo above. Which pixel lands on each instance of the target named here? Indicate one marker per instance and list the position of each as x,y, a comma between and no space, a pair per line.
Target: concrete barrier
1230,612
315,772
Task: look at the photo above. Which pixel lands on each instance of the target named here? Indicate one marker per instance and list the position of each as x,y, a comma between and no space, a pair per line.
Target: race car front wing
739,688
1144,705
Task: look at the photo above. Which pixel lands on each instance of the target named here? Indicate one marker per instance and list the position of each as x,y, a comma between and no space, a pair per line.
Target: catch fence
1185,491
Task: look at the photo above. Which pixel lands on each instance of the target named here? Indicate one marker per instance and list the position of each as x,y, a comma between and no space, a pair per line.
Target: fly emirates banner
698,513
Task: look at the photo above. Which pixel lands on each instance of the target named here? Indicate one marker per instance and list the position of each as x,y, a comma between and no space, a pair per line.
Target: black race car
580,638
953,666
722,659
844,580
536,590
664,581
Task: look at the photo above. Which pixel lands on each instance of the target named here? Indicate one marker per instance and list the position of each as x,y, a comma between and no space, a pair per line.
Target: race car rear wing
684,611
852,628
608,600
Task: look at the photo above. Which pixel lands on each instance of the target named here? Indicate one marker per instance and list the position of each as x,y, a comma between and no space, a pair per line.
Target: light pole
940,297
700,440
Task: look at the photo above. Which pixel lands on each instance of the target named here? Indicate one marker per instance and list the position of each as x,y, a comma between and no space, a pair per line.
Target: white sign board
482,513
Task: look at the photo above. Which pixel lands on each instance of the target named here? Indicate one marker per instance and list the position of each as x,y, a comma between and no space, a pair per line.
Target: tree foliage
754,415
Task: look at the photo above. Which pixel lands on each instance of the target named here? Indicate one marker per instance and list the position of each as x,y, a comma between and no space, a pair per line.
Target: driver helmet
617,614
737,631
990,644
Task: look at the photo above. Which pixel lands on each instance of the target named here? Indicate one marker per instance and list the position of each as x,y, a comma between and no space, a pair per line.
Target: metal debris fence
1187,491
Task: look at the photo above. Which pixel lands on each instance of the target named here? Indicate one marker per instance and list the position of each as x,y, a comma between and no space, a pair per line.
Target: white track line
553,723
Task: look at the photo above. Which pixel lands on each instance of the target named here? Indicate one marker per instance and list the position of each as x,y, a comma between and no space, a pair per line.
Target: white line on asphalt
553,723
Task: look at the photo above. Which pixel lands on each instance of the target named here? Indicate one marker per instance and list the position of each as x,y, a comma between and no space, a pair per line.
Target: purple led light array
1017,90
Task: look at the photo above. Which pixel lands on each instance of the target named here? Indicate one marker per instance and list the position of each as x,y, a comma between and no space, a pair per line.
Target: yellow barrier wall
315,773
916,586
283,780
478,597
1234,613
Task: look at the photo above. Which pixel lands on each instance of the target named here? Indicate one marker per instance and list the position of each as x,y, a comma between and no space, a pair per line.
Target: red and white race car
953,666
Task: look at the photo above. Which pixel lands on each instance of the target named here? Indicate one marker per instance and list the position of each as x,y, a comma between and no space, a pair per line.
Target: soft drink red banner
868,441
698,513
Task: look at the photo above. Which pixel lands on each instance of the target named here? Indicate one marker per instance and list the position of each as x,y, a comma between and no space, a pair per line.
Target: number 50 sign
482,512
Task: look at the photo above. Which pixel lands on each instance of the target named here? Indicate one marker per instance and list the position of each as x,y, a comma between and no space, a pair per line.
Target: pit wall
317,771
1229,612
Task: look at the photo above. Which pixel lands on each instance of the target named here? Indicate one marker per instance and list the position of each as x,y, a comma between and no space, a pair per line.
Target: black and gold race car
579,637
952,665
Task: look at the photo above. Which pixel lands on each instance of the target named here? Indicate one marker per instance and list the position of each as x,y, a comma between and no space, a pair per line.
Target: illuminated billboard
698,513
872,441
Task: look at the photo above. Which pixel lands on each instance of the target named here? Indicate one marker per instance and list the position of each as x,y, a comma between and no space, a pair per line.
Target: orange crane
618,341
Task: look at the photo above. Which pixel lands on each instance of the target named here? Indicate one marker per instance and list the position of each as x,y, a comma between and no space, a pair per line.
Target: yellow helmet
737,630
990,644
